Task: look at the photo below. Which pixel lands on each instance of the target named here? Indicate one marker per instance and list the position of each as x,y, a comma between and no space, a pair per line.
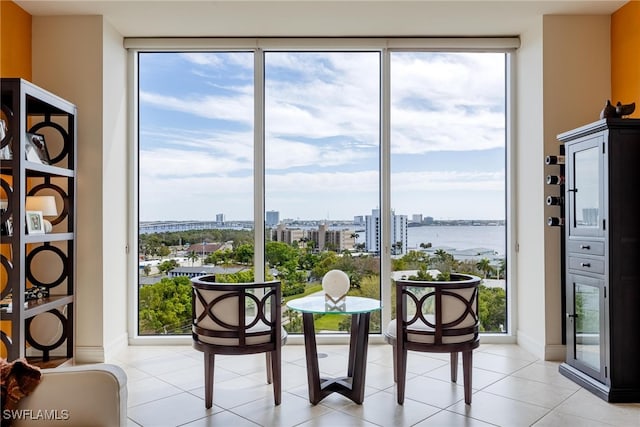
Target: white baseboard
551,352
531,345
89,354
556,352
116,346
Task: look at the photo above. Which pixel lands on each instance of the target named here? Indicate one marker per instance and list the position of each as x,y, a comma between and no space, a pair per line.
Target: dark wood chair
238,318
440,317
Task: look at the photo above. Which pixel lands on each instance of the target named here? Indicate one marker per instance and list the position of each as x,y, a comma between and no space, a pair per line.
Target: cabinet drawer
591,265
587,247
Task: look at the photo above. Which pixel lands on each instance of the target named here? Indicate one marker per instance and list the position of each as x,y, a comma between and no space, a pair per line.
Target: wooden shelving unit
47,260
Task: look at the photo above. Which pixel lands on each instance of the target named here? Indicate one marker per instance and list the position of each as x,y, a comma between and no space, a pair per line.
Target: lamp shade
44,204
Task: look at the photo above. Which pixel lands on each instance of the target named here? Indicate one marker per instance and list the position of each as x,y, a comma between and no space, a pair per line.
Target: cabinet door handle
572,315
587,247
585,264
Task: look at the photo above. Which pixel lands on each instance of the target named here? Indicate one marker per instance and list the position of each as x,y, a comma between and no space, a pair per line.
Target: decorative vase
335,285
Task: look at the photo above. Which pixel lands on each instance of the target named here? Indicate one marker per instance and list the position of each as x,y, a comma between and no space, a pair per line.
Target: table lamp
44,204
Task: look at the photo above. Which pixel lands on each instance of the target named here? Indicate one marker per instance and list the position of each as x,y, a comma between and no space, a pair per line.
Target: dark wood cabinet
602,241
37,259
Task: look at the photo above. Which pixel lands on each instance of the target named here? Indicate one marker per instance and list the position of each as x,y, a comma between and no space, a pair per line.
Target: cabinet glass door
585,325
585,188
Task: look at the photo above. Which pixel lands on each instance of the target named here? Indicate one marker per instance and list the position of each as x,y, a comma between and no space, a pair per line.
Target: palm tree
502,266
192,256
484,265
441,255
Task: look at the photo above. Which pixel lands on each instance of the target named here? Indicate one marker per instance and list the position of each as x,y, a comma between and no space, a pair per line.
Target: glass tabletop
318,305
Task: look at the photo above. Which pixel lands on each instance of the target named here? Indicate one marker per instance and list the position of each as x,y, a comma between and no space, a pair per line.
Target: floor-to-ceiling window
448,163
322,160
195,169
381,162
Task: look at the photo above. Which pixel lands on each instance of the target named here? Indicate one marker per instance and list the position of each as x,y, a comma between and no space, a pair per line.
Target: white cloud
439,103
237,108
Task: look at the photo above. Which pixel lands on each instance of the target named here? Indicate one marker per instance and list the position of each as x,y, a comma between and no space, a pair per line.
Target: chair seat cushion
254,340
425,334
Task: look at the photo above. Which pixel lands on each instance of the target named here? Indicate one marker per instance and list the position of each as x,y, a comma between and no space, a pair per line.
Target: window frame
385,46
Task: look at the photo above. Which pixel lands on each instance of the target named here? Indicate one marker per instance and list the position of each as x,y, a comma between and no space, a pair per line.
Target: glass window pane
587,325
195,178
322,145
448,145
586,180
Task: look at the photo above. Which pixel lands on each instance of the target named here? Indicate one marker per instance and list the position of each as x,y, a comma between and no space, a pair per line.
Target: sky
322,134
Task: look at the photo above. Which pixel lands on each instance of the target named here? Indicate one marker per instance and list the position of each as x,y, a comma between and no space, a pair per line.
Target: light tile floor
511,388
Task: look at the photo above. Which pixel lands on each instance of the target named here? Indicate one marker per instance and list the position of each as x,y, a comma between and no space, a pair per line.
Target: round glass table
360,308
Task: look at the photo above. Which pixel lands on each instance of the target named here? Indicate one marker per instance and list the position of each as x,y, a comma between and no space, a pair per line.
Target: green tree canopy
166,266
279,253
165,307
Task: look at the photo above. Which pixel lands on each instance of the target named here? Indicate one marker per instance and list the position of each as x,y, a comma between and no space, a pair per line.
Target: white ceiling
153,18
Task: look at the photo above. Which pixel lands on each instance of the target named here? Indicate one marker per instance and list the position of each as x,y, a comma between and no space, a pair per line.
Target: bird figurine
618,111
608,111
626,109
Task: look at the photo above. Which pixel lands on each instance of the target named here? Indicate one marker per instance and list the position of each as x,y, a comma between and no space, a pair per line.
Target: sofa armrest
81,395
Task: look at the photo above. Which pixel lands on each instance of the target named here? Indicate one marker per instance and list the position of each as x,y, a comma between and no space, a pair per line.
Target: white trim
385,186
555,352
298,339
510,192
530,344
258,167
115,347
89,354
132,268
451,44
384,45
480,44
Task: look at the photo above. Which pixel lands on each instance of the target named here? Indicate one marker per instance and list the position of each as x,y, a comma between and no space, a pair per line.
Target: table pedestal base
351,386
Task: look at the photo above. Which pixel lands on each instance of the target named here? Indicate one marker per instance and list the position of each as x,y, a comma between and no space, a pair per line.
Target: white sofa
81,395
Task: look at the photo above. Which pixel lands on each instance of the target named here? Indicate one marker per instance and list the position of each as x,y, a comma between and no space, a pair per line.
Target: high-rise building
272,218
417,218
399,240
338,240
220,218
287,235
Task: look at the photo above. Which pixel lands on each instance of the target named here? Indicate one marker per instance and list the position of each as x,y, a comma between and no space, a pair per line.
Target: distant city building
287,235
416,218
176,226
173,226
322,238
272,218
203,270
204,249
220,218
358,220
399,238
428,220
338,240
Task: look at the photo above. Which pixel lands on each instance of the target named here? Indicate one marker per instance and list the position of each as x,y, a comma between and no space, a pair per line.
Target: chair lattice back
438,313
236,314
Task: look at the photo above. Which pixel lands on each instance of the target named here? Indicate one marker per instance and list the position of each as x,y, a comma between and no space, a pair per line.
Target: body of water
459,237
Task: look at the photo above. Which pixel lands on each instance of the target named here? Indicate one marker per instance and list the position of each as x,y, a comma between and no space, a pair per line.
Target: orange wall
15,41
15,61
625,55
